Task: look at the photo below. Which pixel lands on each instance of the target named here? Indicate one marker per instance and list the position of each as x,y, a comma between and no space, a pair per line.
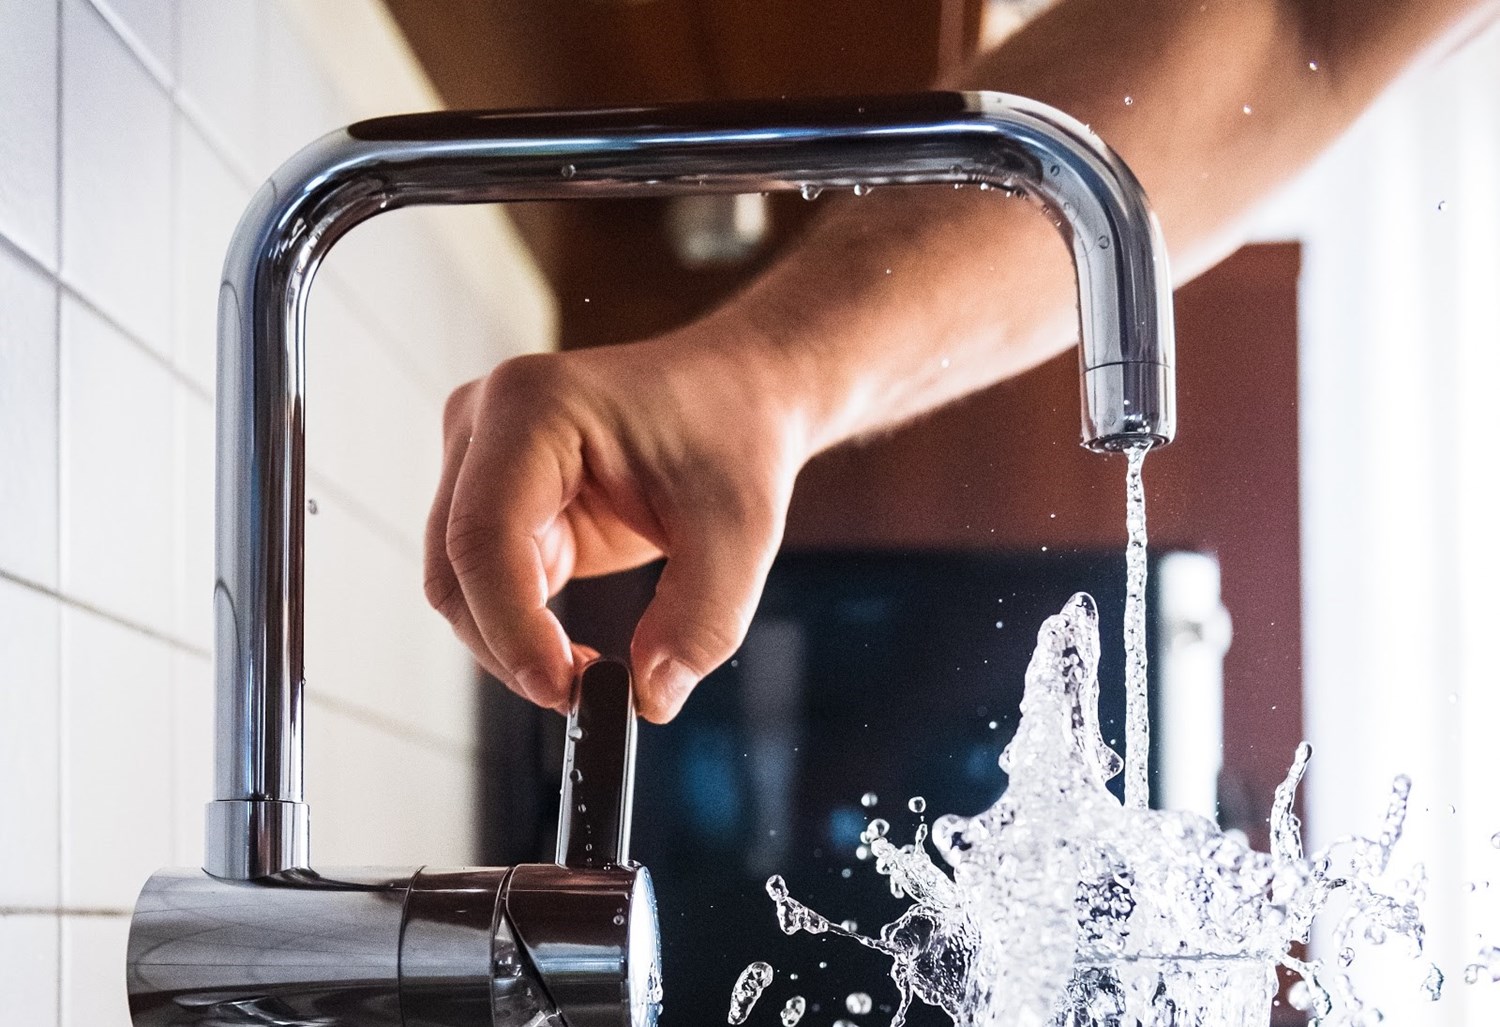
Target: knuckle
469,543
443,593
457,410
528,378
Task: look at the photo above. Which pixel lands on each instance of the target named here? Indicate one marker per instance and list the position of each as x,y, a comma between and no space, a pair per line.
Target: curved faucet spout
258,823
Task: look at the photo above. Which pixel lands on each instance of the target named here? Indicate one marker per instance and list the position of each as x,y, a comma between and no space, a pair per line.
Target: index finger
508,496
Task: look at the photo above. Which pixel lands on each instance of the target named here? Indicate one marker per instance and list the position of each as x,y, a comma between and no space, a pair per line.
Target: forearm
908,298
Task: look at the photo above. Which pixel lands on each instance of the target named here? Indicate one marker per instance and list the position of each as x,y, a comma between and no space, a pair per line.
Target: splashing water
1065,908
754,979
791,1013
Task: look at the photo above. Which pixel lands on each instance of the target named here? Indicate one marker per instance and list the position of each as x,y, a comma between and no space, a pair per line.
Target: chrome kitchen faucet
259,937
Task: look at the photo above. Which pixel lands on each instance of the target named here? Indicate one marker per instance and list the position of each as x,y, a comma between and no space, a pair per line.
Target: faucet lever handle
598,783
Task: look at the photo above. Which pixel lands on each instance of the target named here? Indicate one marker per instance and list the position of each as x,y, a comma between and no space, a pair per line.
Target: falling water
1137,721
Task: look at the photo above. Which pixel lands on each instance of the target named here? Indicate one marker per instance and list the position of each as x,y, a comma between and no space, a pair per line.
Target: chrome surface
592,936
593,817
447,943
294,949
350,175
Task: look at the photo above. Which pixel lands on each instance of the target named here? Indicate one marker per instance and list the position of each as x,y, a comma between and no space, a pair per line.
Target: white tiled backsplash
132,133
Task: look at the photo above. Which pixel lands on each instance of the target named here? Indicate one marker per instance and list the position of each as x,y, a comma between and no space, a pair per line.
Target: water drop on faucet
862,190
810,191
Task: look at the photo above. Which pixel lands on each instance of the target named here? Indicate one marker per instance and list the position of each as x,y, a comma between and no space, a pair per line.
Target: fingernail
536,686
670,682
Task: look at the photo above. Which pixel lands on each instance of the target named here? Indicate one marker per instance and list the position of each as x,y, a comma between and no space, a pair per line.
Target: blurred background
1331,487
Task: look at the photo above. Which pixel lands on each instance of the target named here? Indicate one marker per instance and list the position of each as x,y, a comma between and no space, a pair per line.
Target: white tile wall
116,177
29,756
126,157
28,420
116,446
28,973
28,127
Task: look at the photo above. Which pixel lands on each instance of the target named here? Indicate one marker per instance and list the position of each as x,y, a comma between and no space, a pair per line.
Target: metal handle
598,783
258,824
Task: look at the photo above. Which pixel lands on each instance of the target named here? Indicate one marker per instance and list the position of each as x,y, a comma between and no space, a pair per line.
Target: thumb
704,600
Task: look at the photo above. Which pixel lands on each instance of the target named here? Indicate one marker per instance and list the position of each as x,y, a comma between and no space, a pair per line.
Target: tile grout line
64,911
71,291
390,725
166,638
59,707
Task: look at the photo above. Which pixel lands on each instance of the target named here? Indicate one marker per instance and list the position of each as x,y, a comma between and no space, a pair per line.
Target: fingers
704,600
507,494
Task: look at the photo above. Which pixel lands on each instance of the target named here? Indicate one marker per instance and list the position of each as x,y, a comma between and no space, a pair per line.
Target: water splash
754,979
1064,908
791,1013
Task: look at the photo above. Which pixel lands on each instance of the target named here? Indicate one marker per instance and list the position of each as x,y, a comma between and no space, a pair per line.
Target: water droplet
1495,840
999,623
312,506
945,363
1055,169
846,873
1129,101
568,171
985,187
868,800
575,733
1346,956
863,852
619,920
878,828
753,980
887,270
994,724
863,190
1312,65
810,191
1442,206
1246,109
823,965
858,1003
575,775
1432,984
793,1010
1103,242
850,925
588,846
917,804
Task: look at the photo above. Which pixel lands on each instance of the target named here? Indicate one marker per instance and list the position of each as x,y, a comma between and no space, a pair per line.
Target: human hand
588,462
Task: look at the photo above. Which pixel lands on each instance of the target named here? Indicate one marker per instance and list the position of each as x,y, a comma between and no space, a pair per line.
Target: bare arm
688,444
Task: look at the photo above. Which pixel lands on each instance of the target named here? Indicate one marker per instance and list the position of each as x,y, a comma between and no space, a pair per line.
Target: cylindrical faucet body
258,825
463,947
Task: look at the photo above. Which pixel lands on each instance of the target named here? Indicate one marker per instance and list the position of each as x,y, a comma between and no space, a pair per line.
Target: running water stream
1061,907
